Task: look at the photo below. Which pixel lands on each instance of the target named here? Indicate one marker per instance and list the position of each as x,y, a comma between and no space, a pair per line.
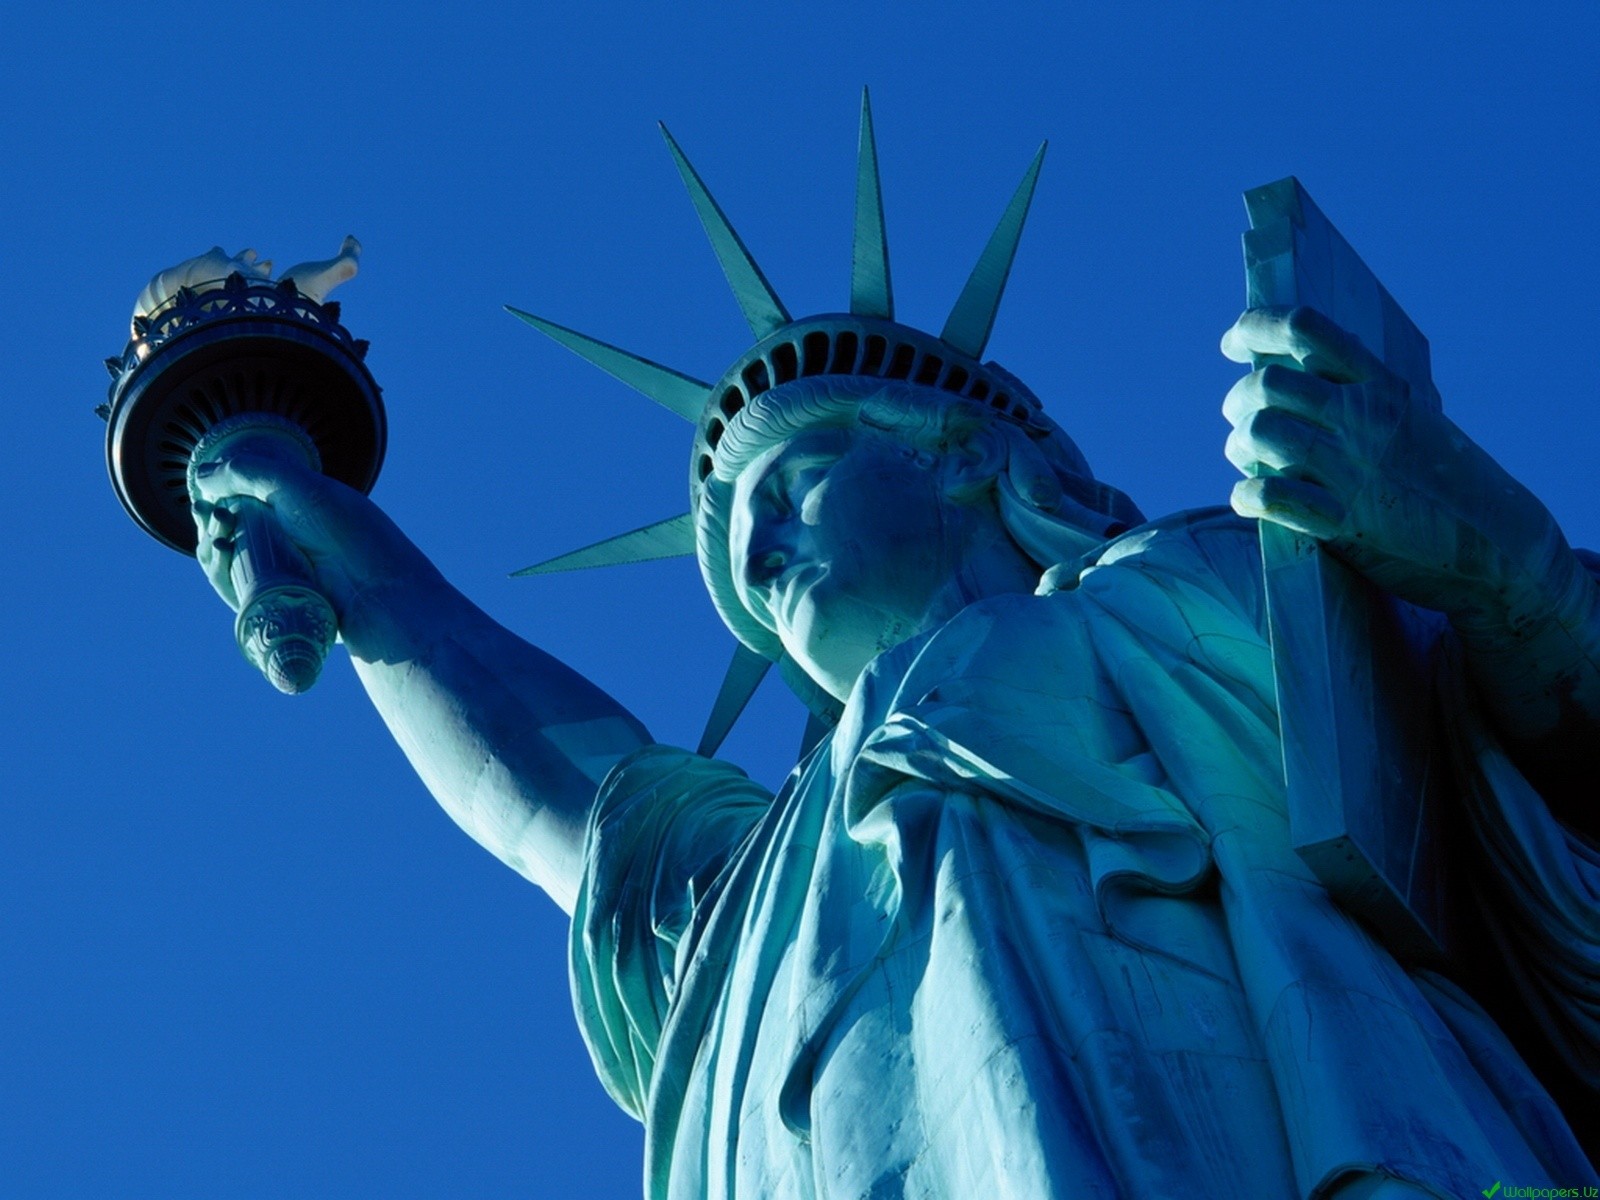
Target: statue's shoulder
1199,544
1159,576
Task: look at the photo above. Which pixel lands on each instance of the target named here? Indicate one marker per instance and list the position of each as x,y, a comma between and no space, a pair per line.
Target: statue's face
845,542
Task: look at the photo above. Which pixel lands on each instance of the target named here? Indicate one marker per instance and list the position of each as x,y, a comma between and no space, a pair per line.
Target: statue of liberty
1026,919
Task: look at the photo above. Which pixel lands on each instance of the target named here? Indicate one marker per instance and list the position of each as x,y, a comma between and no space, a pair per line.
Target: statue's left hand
1335,449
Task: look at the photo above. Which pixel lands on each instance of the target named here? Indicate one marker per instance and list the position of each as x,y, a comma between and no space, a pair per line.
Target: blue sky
243,953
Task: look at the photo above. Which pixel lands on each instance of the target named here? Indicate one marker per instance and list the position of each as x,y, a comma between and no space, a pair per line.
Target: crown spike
759,303
672,538
744,675
972,318
871,294
671,389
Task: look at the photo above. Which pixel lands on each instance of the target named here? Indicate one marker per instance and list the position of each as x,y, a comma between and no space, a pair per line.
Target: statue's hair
901,409
1048,499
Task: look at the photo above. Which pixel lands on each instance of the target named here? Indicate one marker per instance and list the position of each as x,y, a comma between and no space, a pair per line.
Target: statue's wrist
1551,590
1537,658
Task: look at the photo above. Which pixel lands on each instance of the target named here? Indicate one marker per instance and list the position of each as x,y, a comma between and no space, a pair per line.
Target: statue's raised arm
510,741
244,427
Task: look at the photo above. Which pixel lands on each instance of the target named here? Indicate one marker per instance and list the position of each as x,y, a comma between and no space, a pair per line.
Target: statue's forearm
1540,666
511,741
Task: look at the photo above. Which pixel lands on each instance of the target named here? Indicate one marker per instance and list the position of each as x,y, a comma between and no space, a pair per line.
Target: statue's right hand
352,546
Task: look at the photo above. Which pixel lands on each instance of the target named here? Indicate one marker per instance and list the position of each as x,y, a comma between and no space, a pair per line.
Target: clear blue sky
242,953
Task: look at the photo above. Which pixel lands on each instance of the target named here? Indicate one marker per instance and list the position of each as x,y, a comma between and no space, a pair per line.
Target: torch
236,364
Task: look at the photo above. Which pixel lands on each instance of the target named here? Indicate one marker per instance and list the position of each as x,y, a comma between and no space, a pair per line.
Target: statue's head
854,480
842,515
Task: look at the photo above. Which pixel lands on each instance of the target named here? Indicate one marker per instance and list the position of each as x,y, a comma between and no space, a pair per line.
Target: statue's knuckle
1247,496
1241,399
1240,450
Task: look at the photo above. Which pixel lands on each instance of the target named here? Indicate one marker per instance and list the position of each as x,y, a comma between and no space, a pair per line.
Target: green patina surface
1040,915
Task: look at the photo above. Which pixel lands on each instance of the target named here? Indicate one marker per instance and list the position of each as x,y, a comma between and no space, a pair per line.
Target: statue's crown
866,342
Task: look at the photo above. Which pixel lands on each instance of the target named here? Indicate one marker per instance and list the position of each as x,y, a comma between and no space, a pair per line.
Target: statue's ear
1031,474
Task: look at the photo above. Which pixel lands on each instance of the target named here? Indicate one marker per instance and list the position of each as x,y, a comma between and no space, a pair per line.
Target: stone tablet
1353,666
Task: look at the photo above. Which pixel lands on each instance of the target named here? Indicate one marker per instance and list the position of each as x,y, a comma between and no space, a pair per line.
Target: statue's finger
207,525
1292,503
216,558
1278,387
1273,439
1279,442
1305,335
213,520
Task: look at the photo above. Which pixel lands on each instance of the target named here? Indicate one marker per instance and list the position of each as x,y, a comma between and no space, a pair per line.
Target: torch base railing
245,366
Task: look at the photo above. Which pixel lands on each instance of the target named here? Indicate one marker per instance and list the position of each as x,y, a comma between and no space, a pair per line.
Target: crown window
900,365
877,347
844,353
785,363
816,353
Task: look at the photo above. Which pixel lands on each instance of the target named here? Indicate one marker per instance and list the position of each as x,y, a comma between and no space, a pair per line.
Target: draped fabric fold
1028,923
1537,885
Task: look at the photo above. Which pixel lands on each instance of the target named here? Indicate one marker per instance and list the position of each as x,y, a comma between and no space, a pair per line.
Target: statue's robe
1029,924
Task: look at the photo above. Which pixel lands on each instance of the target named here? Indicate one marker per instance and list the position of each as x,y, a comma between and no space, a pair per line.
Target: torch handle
286,626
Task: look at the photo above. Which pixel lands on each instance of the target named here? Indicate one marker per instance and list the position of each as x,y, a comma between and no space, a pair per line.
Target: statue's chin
833,649
825,652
